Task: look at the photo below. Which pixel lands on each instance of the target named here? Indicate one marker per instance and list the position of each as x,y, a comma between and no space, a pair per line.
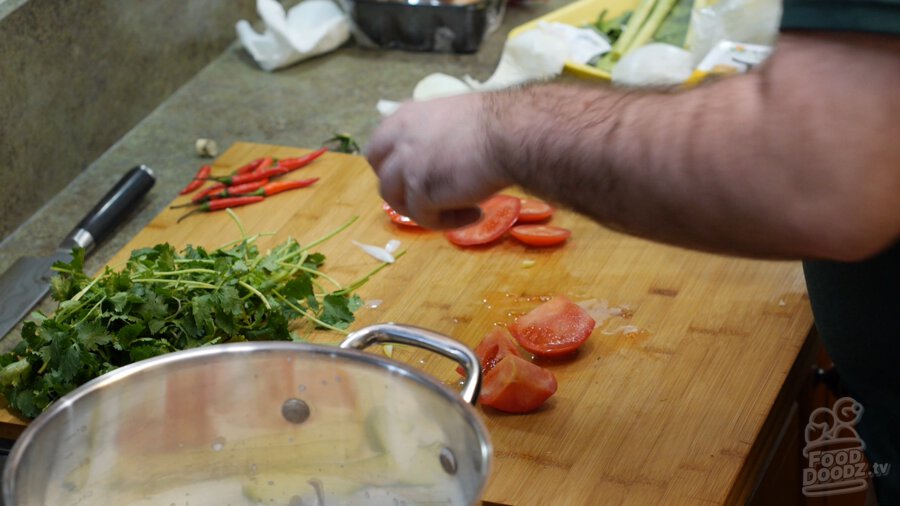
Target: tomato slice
555,328
515,385
540,235
498,214
398,218
496,345
534,210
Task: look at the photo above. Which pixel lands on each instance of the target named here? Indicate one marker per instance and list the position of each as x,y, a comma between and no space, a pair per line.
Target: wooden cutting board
662,404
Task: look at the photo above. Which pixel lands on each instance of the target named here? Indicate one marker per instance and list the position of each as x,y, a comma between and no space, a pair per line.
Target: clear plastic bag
747,21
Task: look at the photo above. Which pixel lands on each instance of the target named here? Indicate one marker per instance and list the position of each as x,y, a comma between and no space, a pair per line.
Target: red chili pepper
265,164
250,167
250,176
301,161
203,195
283,186
195,183
219,204
225,191
241,189
270,189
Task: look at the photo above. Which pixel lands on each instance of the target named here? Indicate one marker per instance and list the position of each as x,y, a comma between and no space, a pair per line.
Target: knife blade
27,281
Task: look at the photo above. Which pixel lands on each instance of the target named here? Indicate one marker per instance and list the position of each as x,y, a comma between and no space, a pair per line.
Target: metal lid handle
422,338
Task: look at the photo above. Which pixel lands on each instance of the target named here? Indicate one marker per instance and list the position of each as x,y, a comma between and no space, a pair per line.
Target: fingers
393,185
380,146
430,160
455,218
434,198
419,204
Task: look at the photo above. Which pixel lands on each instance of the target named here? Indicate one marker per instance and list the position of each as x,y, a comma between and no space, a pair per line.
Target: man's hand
796,159
434,160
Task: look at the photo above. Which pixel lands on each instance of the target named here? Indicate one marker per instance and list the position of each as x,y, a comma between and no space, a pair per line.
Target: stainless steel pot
261,423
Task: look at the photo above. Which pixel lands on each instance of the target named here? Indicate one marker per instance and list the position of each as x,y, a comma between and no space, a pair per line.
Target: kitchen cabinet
810,385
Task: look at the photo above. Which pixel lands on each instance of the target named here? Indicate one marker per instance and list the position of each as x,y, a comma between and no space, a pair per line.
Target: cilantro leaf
92,335
13,374
69,362
298,288
336,311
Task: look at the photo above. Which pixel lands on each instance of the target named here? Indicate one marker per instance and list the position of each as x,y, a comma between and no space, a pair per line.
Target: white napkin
652,65
534,55
309,28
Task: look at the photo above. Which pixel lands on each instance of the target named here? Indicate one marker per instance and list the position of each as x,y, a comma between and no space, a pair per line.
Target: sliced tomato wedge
493,347
498,214
555,328
534,210
398,218
515,385
540,235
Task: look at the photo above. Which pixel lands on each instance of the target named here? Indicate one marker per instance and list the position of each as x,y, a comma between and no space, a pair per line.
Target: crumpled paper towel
653,65
534,55
309,28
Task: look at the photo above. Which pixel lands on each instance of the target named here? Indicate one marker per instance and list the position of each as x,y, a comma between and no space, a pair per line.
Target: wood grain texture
667,415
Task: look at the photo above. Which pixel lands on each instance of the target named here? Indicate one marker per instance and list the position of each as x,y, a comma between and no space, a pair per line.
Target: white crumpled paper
309,28
534,55
652,65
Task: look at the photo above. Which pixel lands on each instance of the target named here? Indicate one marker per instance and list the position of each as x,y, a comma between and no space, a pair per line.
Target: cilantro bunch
163,301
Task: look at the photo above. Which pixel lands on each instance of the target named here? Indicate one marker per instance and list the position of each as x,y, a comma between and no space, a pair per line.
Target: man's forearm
749,165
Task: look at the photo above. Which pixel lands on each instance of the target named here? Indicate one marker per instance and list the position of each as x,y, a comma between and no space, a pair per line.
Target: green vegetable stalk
163,301
674,29
645,25
629,32
653,22
611,28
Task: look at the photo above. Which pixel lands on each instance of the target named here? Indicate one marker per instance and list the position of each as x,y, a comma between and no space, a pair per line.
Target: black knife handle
112,208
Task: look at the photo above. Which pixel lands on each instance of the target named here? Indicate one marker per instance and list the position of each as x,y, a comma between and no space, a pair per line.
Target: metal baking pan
426,25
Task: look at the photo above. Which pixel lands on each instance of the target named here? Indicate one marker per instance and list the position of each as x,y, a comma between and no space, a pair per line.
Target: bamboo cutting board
661,405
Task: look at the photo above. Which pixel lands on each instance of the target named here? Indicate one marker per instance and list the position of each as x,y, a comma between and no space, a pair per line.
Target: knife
27,281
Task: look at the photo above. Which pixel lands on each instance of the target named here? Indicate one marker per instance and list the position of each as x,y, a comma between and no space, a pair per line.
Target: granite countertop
233,100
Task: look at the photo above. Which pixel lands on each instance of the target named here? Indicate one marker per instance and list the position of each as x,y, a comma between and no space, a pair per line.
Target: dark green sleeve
879,16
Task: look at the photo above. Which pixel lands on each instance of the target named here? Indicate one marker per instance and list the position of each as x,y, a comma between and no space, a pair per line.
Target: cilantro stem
237,221
84,290
198,284
290,256
256,292
365,279
317,272
331,234
308,315
247,240
187,271
91,310
294,266
67,271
